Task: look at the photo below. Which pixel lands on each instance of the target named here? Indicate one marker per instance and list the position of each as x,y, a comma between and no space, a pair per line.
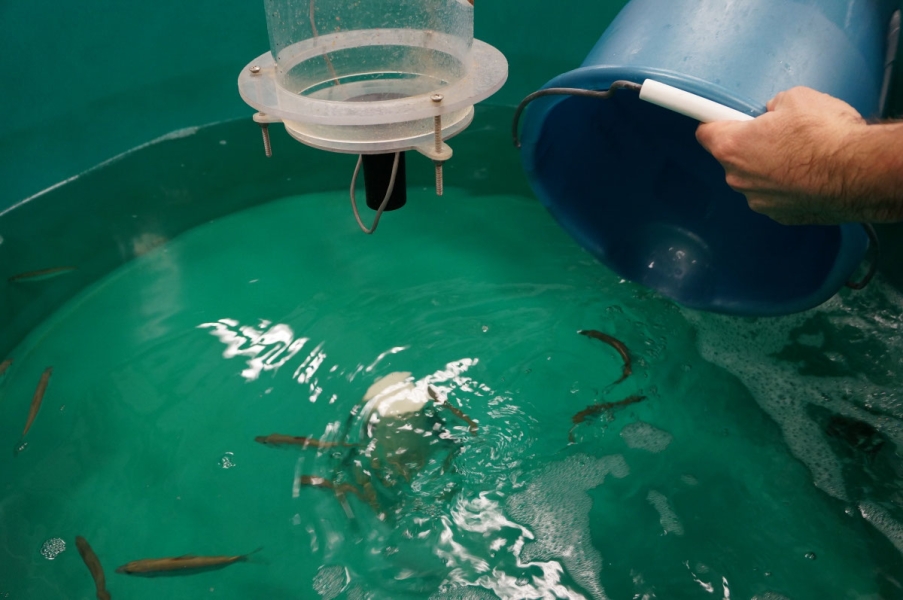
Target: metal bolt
255,69
438,177
437,134
267,148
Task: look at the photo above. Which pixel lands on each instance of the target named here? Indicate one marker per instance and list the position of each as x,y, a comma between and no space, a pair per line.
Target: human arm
812,159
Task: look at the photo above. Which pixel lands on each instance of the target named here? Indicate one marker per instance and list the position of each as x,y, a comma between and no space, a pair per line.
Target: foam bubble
646,437
667,517
556,507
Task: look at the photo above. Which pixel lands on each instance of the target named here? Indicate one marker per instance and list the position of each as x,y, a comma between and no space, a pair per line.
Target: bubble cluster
330,581
667,517
52,548
226,461
646,437
556,507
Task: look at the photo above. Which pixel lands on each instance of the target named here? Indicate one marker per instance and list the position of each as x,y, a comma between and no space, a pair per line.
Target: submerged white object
393,395
372,76
687,104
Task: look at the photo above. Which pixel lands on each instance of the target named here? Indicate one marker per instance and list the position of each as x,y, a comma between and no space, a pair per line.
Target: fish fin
186,557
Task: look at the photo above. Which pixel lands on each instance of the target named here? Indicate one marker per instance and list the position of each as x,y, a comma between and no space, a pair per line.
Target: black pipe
377,173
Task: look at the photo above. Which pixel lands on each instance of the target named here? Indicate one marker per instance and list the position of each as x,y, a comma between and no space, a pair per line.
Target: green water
278,318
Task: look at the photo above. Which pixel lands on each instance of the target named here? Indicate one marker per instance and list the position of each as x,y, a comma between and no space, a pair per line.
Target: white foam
464,593
330,581
746,349
884,522
646,437
556,507
872,320
667,517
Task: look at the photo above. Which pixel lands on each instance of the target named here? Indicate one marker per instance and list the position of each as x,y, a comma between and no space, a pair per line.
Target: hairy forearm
870,171
812,159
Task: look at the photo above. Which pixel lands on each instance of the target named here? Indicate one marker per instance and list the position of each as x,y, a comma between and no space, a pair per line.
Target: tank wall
87,81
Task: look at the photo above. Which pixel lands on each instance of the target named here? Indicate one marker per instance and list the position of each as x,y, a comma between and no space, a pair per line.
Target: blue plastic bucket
628,180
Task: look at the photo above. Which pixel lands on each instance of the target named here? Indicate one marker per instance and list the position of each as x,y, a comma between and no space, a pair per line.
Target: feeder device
375,78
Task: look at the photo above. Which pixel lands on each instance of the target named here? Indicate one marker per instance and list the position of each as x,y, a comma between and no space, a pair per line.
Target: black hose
602,94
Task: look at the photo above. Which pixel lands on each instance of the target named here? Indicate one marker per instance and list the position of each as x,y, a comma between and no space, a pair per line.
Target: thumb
709,134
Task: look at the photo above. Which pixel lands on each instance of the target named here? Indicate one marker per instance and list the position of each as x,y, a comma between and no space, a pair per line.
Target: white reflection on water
388,352
269,347
521,579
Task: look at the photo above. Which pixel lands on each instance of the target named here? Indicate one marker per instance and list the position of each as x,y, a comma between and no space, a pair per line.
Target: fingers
725,140
712,134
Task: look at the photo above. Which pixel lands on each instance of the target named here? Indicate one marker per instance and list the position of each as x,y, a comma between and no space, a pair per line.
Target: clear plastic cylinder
369,50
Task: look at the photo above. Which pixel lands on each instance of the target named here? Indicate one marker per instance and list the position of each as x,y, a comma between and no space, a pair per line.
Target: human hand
793,163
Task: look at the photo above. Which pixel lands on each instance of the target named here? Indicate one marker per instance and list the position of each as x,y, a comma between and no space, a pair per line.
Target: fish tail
244,557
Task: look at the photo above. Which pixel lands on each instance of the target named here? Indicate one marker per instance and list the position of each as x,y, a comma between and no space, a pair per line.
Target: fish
321,482
614,343
453,409
37,398
40,274
595,409
93,564
5,365
150,566
277,439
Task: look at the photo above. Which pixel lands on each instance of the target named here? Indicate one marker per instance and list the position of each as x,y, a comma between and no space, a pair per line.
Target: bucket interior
629,180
